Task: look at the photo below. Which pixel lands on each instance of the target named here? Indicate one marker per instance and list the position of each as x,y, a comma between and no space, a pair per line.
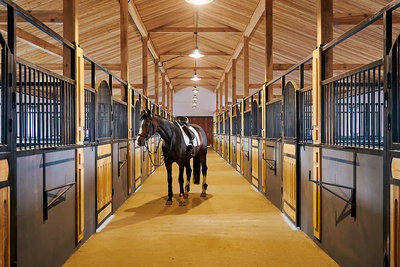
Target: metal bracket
57,196
271,166
351,201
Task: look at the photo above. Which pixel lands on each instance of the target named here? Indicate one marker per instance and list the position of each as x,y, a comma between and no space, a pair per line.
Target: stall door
104,153
290,166
104,182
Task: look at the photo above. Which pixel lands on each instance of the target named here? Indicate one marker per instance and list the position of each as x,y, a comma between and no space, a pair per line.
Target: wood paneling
5,226
104,182
289,181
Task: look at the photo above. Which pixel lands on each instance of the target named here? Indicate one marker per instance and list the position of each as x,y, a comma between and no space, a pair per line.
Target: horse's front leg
181,192
188,174
169,180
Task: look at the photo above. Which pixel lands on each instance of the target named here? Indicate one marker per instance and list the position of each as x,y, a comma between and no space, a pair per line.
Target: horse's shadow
156,208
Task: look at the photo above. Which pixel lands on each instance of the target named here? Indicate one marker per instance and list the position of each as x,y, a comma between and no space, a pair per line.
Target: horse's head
147,128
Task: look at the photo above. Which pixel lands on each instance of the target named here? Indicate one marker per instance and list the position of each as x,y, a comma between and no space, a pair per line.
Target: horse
175,149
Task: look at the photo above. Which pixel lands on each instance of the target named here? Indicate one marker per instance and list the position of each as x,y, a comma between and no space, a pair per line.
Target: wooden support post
233,82
246,70
156,80
70,32
145,54
316,122
123,25
216,101
226,90
163,89
129,156
221,107
269,66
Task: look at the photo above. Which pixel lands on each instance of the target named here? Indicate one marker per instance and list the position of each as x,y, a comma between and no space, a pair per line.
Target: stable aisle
233,226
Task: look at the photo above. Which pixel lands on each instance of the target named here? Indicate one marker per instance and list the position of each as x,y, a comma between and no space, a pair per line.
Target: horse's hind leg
187,186
180,179
168,166
204,172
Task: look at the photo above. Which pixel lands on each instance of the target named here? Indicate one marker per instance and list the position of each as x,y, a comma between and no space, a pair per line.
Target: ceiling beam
176,53
198,68
36,42
192,29
354,19
45,16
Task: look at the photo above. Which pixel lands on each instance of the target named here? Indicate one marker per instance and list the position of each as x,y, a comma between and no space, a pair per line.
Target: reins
158,145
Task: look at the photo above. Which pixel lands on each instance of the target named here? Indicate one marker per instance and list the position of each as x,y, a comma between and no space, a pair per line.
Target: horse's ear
148,112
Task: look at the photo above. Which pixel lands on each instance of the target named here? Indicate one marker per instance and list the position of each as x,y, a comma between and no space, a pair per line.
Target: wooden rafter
193,29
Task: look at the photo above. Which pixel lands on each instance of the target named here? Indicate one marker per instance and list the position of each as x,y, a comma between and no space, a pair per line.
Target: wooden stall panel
5,226
289,182
138,167
238,154
80,220
104,182
254,162
395,215
394,225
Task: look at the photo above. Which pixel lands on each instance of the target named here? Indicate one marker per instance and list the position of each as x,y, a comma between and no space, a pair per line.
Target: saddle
183,122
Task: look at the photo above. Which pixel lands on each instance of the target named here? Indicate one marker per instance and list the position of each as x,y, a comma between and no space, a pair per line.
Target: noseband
150,131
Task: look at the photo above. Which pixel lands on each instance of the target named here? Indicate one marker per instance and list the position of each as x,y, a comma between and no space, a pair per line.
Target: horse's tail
196,169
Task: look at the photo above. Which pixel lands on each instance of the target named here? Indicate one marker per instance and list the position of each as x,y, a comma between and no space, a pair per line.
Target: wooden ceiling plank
193,29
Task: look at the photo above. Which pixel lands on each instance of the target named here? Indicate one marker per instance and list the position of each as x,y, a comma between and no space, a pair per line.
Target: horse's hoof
203,194
169,202
185,195
182,203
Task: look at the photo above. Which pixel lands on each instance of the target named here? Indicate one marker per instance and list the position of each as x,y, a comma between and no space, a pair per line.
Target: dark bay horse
174,149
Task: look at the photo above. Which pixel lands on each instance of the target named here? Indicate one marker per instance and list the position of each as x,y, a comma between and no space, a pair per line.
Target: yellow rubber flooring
233,226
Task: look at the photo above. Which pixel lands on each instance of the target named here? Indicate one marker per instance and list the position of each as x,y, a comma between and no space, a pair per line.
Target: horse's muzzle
140,141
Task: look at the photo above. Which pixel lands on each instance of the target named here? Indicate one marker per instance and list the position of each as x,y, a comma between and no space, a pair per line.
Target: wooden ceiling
221,25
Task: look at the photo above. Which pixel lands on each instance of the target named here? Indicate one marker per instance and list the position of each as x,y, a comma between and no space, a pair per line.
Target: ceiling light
195,90
196,53
195,98
195,78
198,2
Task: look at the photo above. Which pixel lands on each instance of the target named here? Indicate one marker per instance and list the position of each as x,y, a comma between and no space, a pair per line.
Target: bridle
146,140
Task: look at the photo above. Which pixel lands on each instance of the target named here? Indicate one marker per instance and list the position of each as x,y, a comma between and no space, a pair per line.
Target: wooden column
172,101
226,90
269,70
70,32
220,99
123,28
167,105
163,89
145,53
324,35
156,85
216,101
233,82
246,86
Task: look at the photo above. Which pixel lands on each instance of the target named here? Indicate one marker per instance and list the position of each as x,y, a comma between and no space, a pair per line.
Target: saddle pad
196,140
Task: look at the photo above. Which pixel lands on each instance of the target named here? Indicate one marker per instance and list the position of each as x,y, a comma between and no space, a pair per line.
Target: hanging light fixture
196,53
195,77
198,2
195,90
195,97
